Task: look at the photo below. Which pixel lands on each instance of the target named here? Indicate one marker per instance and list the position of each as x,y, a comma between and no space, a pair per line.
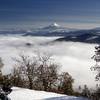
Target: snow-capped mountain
51,30
88,35
56,28
52,26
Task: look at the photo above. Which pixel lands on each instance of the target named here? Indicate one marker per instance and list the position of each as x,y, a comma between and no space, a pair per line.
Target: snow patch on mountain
55,24
52,26
93,37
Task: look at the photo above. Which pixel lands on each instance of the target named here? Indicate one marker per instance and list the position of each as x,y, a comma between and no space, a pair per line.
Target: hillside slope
26,94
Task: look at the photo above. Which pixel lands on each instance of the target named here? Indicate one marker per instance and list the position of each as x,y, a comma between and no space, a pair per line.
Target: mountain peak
55,25
52,26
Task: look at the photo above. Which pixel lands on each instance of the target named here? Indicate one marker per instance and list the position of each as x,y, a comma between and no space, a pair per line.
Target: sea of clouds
74,57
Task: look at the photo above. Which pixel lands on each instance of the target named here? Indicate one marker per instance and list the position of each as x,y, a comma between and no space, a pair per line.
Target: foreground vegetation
39,72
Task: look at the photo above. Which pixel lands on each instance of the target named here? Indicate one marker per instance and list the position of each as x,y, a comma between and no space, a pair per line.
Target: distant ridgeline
65,34
86,38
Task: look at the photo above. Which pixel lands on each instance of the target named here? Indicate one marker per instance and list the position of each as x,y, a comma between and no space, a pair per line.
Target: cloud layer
75,58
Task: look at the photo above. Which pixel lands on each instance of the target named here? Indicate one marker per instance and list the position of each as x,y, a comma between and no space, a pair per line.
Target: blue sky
36,13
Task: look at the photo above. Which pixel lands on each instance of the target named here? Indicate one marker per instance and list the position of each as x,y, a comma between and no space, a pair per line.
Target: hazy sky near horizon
71,13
